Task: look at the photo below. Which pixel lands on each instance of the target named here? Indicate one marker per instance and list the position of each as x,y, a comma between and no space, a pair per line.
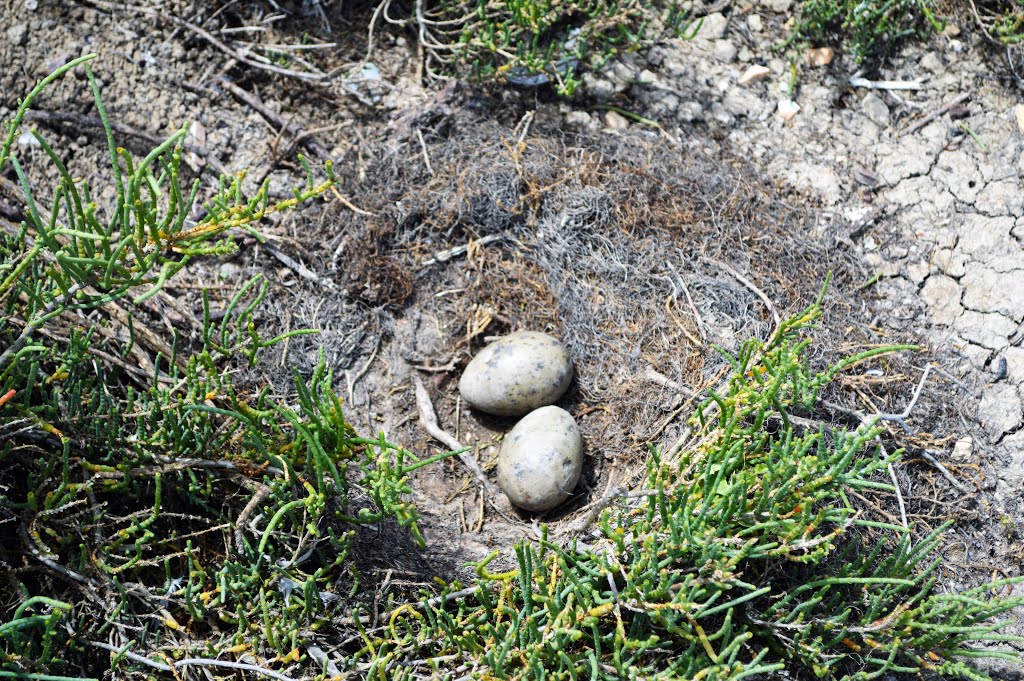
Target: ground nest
641,252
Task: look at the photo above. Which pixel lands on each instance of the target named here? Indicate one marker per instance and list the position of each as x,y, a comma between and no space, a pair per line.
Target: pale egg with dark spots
516,374
540,459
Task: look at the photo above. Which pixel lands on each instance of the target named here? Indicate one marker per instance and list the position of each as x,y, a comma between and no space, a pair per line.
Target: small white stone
647,77
540,460
17,34
516,374
580,120
712,27
754,74
228,270
787,109
963,449
724,51
875,109
755,23
820,56
613,120
933,63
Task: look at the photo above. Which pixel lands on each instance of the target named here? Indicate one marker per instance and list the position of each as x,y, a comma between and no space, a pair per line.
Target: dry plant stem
252,101
981,25
857,81
927,456
299,268
423,148
319,78
262,492
192,662
55,117
428,419
30,327
445,256
585,523
362,372
91,587
701,326
896,485
663,380
144,377
750,285
348,204
143,332
935,114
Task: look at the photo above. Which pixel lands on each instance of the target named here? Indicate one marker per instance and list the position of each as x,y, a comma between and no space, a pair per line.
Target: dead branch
301,136
314,77
935,114
428,419
750,285
85,121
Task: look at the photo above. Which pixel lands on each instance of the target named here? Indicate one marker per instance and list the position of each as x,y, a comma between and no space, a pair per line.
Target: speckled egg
516,374
540,460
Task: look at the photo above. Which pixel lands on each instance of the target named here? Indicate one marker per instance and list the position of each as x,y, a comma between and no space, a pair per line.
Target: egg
517,374
540,459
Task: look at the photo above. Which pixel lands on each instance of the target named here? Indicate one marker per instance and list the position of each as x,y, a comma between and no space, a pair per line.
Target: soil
639,246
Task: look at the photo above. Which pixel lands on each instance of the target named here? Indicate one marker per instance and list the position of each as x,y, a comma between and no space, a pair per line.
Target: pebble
875,109
963,449
933,63
517,374
540,460
820,56
787,109
755,23
17,34
613,120
228,270
712,26
724,51
601,89
754,74
581,120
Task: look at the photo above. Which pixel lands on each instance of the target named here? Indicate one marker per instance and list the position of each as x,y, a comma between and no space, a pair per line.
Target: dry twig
85,121
314,77
935,114
428,419
750,285
301,136
191,662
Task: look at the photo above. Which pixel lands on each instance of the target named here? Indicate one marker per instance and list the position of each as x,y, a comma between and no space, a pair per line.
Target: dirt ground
465,212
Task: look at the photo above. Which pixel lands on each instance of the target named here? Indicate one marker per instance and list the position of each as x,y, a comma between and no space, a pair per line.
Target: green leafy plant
168,518
1001,20
172,508
537,42
744,557
866,30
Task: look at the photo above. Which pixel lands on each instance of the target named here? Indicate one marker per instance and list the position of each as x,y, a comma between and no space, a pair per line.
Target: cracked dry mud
937,212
